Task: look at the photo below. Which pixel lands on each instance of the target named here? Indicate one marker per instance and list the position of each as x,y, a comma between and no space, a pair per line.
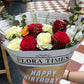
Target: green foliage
16,22
75,12
66,21
70,44
71,10
51,23
80,2
11,18
14,36
23,21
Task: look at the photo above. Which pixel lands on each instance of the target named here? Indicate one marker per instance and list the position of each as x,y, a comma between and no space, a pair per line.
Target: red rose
60,39
59,26
35,29
28,43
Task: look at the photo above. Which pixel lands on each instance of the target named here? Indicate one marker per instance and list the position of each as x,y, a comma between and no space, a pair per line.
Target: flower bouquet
41,50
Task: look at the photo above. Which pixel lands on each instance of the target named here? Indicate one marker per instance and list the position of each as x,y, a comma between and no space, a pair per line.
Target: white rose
15,44
44,41
47,28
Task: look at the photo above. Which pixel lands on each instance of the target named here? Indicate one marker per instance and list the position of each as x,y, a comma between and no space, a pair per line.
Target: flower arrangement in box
42,51
37,36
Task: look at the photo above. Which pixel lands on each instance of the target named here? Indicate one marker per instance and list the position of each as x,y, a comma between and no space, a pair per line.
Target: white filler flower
70,31
44,41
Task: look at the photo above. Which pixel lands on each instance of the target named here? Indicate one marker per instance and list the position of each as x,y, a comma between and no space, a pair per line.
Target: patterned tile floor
58,6
76,63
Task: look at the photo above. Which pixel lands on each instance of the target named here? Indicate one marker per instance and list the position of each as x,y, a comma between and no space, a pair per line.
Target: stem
46,20
74,36
33,14
36,21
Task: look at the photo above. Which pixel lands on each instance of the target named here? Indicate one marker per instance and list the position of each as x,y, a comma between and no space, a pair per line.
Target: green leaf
76,5
83,22
51,23
76,11
10,17
77,8
83,31
69,44
23,25
11,21
71,17
23,16
80,2
20,14
71,10
16,22
66,21
22,20
14,36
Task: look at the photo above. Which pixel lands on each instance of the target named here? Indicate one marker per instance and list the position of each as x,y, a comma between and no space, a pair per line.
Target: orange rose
24,31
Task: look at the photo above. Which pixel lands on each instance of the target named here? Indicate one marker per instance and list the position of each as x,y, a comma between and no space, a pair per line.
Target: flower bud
78,36
75,18
79,29
83,22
